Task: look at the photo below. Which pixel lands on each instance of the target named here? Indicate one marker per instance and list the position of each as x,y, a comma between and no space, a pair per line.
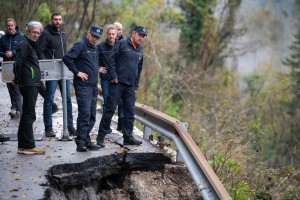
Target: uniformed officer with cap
124,66
82,60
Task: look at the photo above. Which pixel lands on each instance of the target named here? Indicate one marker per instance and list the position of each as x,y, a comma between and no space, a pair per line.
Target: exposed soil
122,177
174,182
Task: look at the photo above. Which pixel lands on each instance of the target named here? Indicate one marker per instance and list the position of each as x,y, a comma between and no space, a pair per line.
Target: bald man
119,27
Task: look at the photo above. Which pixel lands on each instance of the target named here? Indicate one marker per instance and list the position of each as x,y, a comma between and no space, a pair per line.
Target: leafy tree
207,28
195,13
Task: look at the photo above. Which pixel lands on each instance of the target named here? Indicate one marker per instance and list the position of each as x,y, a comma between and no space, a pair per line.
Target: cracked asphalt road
23,176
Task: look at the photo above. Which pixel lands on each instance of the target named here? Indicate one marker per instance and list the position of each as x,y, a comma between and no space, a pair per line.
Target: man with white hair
28,77
104,48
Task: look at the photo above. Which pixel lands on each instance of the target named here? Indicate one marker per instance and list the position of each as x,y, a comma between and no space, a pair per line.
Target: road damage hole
123,176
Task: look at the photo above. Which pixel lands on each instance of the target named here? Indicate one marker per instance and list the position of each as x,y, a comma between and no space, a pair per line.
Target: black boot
49,131
100,141
72,130
132,141
93,147
120,124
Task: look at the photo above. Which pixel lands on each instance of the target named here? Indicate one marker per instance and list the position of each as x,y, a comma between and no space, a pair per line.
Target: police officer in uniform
82,60
124,66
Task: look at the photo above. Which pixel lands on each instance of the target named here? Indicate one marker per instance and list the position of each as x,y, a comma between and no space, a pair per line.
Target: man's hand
13,81
114,81
83,76
9,54
103,70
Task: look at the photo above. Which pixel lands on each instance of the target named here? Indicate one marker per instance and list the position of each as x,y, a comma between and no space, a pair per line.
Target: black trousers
127,94
87,102
15,96
42,89
25,132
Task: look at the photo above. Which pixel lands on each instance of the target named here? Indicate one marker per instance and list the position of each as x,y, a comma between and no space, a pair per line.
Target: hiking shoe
54,108
4,139
81,148
31,151
72,130
100,142
93,147
132,141
50,133
14,113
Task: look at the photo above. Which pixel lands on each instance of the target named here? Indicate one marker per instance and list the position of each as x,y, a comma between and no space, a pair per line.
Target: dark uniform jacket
104,49
83,57
10,42
52,43
26,67
126,62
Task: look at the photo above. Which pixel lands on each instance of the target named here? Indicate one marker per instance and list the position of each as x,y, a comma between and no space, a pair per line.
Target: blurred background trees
230,68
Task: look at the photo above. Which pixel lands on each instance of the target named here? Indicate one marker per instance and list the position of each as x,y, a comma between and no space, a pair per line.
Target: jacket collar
130,42
107,43
54,30
30,41
88,42
15,33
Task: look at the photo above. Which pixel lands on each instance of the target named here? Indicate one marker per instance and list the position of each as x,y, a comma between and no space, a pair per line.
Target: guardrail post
147,132
65,134
179,157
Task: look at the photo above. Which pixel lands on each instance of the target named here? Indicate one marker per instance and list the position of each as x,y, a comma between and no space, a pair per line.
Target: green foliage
293,60
244,181
173,108
192,24
239,133
44,13
254,83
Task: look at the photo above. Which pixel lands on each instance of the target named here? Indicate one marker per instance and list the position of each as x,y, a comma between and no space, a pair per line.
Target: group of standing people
118,61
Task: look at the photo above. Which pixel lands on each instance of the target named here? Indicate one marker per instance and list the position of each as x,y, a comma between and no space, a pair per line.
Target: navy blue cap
96,30
141,30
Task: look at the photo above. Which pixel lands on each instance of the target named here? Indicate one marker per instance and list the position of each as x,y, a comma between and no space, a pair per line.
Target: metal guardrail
50,70
203,175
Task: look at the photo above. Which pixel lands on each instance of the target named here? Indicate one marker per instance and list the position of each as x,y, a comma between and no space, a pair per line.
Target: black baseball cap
96,30
141,30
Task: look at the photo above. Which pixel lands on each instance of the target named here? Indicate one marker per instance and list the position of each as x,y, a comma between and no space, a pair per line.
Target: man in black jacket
124,68
82,60
104,49
8,46
28,77
52,45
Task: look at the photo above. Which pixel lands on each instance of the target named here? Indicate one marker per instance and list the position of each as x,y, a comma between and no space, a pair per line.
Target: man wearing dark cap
82,60
124,66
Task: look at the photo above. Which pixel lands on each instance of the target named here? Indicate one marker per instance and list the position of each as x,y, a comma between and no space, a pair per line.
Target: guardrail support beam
147,132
